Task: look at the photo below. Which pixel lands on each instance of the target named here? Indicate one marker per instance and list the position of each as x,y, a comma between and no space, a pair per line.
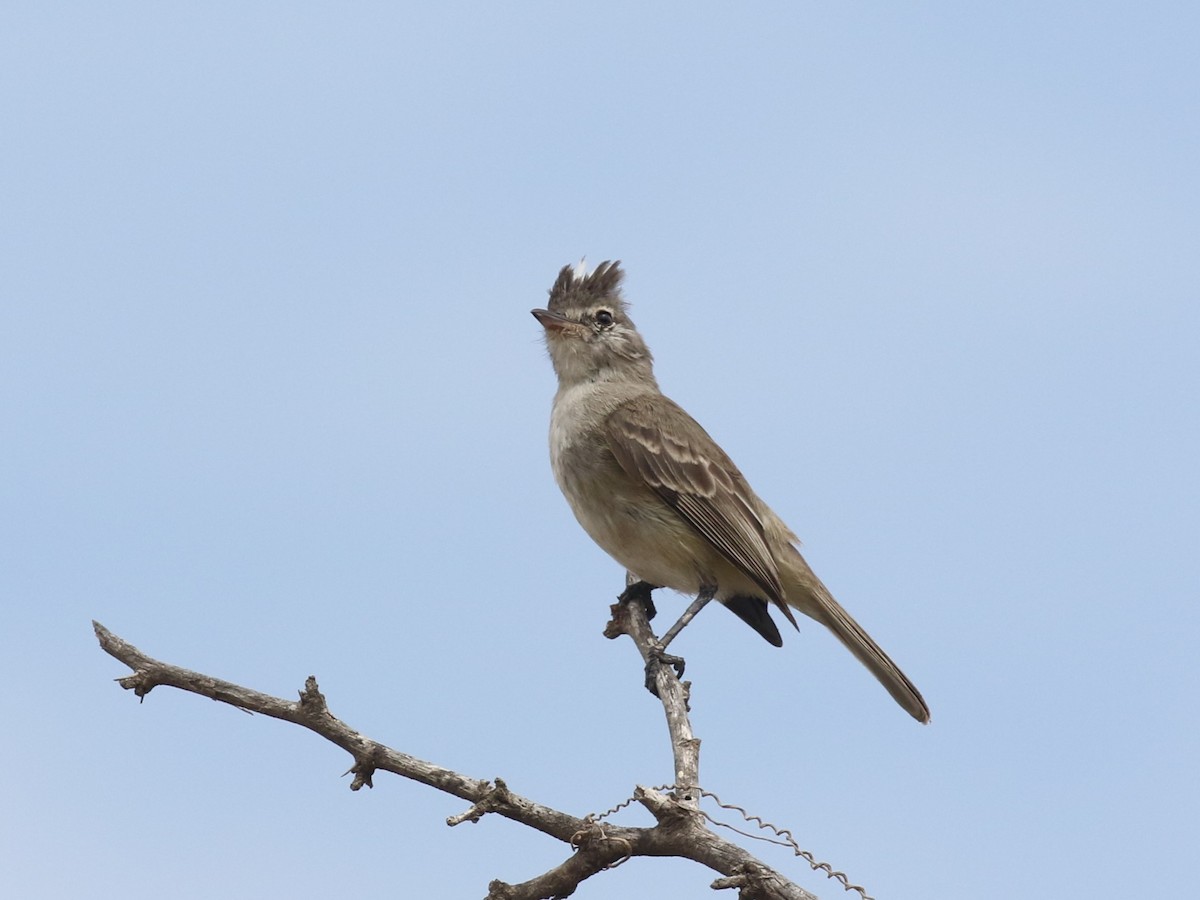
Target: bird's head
588,330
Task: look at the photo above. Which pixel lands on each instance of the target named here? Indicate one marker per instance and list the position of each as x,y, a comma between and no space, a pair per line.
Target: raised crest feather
573,288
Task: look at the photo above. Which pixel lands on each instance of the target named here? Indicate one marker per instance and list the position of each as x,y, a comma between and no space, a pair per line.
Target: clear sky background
272,405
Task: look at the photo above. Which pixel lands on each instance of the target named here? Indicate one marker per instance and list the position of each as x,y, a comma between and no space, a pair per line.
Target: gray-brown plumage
658,494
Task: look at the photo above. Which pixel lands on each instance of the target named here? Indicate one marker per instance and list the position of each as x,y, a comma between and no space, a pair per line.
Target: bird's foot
659,657
639,592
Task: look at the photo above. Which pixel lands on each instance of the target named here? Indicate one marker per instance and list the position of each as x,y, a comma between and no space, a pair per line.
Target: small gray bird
659,495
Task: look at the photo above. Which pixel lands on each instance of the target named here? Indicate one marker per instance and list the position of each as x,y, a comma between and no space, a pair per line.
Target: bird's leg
707,592
659,656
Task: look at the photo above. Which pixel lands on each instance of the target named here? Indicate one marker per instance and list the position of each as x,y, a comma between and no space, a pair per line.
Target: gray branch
629,617
680,828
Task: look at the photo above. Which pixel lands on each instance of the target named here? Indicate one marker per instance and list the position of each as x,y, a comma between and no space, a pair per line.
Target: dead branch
681,829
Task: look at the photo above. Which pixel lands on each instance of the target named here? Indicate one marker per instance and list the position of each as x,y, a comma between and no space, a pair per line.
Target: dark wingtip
753,611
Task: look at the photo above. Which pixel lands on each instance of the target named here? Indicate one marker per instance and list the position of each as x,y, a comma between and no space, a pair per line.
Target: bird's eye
604,318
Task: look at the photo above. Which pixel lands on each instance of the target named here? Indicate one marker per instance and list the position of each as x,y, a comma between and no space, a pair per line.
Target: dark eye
604,318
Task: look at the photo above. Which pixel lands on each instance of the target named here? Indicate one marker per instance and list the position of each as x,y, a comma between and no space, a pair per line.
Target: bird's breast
622,514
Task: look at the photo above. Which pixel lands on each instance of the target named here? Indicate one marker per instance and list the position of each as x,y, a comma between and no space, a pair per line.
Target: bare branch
598,850
312,713
630,617
680,828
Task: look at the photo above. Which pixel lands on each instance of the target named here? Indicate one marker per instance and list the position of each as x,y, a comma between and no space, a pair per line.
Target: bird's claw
659,657
639,592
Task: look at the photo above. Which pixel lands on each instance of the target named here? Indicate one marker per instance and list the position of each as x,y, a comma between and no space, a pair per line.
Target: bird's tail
813,599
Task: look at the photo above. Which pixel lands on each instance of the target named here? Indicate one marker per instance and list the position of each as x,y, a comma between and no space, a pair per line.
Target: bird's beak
552,321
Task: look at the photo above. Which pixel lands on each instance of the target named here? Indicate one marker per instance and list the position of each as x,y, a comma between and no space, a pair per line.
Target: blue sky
273,405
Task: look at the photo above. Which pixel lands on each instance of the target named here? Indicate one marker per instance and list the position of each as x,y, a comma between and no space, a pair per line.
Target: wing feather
654,439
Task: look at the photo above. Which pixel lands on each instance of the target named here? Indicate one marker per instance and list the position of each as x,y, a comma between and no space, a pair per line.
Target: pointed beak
552,321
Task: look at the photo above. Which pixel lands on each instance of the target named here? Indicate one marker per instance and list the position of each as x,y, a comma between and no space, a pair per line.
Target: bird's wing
653,439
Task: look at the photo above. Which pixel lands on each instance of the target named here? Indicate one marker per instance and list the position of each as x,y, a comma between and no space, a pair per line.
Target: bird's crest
574,287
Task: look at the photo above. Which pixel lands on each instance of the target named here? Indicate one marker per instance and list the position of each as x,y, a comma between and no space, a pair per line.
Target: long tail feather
871,655
807,594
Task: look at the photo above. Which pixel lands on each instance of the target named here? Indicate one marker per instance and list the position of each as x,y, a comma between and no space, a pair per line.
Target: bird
657,493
